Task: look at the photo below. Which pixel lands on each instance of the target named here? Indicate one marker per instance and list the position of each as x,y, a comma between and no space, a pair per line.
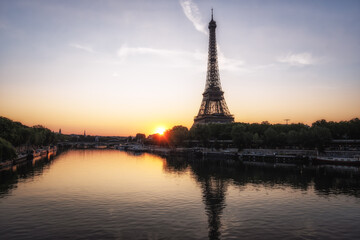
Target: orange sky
128,68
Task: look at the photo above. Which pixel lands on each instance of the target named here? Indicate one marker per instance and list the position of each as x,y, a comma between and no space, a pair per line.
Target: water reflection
112,194
9,178
325,179
214,176
214,190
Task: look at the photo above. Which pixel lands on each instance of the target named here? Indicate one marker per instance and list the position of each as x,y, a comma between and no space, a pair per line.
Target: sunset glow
160,130
121,68
183,119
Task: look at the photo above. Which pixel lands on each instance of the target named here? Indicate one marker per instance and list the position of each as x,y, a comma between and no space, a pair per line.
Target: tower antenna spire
213,108
212,14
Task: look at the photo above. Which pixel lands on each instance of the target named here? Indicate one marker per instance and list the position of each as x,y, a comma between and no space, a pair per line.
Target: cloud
163,57
191,11
299,59
126,51
82,47
228,64
231,64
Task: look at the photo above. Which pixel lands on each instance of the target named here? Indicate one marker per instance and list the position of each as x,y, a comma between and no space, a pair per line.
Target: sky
118,68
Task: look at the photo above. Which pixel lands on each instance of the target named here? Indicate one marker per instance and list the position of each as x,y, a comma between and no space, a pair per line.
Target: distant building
60,131
140,137
152,136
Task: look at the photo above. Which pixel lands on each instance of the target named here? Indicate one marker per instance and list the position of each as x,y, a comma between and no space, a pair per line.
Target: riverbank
30,156
255,155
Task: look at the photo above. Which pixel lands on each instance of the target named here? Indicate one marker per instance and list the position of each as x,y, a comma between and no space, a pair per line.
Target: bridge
86,145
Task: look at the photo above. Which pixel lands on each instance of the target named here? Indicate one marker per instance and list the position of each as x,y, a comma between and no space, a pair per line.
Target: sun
160,130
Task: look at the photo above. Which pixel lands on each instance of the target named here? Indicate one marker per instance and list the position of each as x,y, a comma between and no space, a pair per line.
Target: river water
108,194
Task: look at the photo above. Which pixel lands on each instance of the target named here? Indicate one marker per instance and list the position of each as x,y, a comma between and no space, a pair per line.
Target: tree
215,130
354,128
256,140
239,136
201,132
177,135
293,137
7,151
271,137
321,136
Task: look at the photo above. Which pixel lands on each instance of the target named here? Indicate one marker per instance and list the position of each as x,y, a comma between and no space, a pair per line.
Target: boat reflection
9,178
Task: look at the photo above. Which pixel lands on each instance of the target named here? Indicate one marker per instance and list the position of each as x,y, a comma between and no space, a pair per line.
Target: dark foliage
177,136
7,151
264,135
18,134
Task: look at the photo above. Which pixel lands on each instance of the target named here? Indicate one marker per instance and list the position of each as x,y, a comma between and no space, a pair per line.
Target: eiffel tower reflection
214,191
213,186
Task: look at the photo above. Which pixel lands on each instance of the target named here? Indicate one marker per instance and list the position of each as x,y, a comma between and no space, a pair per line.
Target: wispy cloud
228,64
298,59
125,51
168,57
191,11
82,47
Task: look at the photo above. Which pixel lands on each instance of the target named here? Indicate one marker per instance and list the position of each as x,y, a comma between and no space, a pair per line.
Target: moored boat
21,157
121,147
100,146
5,164
338,160
33,154
136,148
51,150
43,152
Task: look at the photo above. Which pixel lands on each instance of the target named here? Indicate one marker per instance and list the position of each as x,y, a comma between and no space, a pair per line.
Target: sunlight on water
92,194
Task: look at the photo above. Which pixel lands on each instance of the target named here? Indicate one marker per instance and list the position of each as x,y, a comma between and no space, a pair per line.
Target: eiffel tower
213,107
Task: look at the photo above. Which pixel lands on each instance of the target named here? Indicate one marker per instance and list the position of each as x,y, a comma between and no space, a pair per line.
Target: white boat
136,148
338,160
100,146
120,147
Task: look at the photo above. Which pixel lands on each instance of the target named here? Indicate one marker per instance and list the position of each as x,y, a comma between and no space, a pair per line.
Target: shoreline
304,157
32,156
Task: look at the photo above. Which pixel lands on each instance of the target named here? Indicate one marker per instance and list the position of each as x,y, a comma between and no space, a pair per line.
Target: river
109,194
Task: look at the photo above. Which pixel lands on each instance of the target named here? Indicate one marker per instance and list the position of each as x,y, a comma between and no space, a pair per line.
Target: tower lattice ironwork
213,107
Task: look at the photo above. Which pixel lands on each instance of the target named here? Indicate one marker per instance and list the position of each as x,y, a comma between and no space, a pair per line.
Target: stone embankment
292,156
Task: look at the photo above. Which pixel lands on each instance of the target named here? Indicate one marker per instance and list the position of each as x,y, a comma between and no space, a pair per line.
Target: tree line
14,134
241,135
261,135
